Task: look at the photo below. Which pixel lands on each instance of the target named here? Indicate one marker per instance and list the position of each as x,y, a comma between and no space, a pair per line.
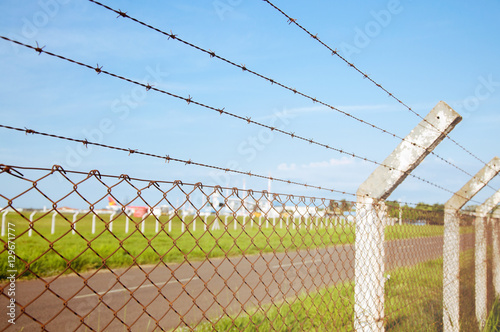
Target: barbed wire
221,111
16,169
172,36
167,158
365,75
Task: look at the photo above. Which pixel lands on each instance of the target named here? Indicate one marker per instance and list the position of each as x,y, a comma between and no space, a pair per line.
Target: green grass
45,254
493,322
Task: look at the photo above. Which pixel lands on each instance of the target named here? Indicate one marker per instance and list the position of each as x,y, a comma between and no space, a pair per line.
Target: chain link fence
95,252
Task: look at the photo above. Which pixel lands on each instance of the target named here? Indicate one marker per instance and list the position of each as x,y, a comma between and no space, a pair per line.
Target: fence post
53,225
496,251
371,212
3,221
73,225
451,246
480,257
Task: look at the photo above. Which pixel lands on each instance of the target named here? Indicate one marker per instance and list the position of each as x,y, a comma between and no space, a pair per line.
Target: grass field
51,254
493,322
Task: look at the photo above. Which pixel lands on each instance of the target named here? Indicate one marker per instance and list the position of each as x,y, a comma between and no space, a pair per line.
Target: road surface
189,293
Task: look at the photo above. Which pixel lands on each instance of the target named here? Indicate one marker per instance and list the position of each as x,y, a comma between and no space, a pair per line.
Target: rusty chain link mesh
111,253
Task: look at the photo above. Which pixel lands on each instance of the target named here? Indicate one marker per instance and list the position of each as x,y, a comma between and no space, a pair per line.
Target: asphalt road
189,293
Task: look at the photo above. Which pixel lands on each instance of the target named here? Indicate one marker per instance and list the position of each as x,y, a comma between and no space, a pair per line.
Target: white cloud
285,167
317,164
329,163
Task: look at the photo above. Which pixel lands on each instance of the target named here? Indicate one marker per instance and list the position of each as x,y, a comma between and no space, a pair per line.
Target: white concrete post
371,212
495,223
93,222
205,225
215,224
53,226
400,213
369,265
451,246
157,223
143,221
480,271
480,257
127,222
3,221
31,223
111,222
73,225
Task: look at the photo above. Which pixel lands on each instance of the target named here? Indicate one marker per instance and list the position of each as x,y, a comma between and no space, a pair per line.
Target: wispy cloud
317,164
353,109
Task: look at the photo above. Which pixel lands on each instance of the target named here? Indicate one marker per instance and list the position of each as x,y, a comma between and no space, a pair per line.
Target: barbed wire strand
352,65
167,158
172,36
14,170
9,168
190,100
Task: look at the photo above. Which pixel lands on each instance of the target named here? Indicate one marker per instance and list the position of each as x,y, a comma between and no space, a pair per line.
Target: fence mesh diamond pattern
110,252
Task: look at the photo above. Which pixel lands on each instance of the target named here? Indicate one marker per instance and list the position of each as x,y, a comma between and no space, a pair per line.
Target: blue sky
423,52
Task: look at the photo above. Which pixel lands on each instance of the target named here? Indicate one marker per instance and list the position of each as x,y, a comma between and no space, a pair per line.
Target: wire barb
39,49
121,14
334,52
189,100
98,69
10,170
352,65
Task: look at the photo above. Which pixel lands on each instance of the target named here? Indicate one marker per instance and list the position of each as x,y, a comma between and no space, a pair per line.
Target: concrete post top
474,185
483,209
410,152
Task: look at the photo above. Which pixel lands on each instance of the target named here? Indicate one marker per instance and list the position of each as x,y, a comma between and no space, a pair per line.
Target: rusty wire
190,100
248,262
350,64
171,36
168,158
114,312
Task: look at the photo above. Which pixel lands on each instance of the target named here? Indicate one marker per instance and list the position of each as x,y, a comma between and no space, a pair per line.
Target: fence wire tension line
221,111
171,36
189,256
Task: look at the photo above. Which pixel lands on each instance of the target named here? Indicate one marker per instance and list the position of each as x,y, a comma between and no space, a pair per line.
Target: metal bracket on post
451,246
480,257
371,212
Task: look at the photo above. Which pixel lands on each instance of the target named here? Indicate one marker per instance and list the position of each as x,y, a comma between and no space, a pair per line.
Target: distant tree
333,206
345,206
431,214
470,208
